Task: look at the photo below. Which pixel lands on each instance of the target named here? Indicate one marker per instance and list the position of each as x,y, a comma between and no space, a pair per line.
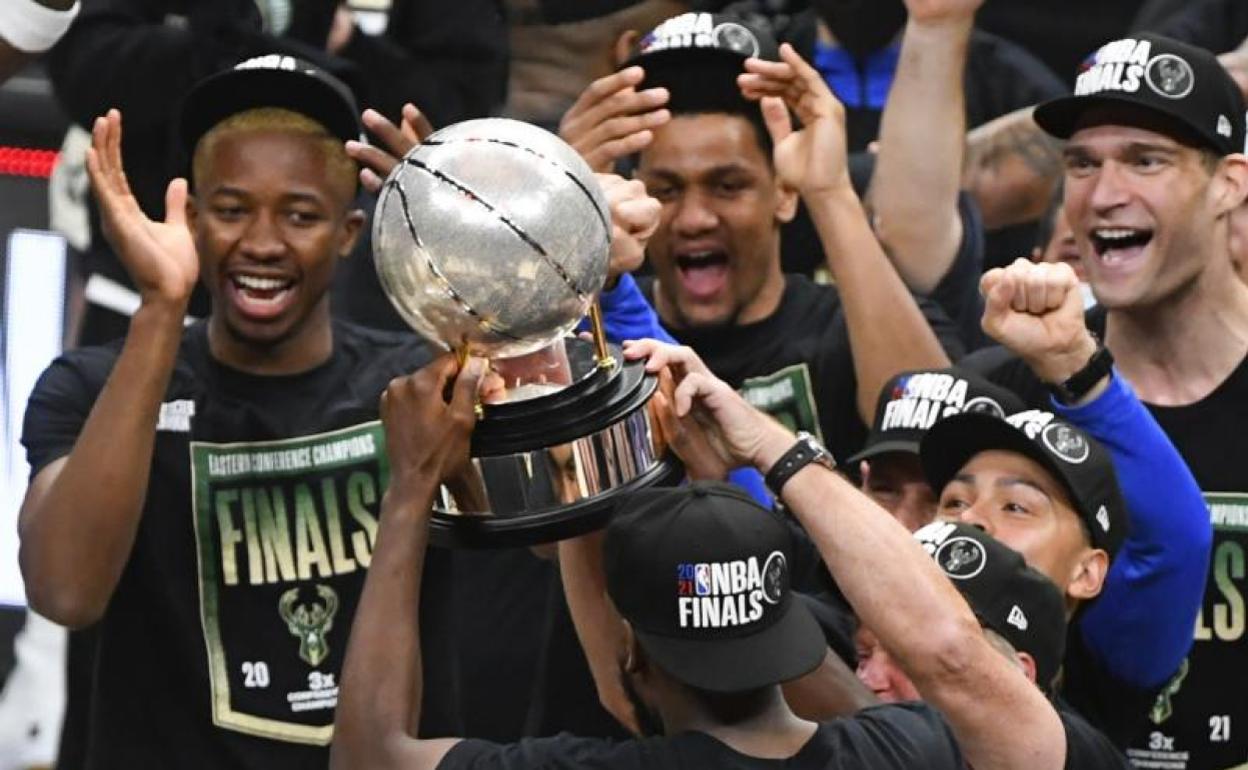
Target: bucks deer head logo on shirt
310,621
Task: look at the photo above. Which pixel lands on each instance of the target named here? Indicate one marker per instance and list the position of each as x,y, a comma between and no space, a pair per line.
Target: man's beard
648,720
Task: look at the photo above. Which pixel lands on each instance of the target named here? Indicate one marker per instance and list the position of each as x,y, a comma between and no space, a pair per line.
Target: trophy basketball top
492,237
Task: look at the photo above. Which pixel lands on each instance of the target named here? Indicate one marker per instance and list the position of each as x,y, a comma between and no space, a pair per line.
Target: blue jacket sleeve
1164,560
628,316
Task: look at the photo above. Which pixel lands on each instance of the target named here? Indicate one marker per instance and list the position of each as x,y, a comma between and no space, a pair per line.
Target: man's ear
1028,665
624,46
786,202
1230,186
352,226
1089,574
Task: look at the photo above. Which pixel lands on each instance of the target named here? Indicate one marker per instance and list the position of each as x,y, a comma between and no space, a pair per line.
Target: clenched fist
1036,310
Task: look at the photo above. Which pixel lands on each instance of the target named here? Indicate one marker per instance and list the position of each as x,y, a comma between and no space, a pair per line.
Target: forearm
1164,560
829,692
72,554
1012,168
914,191
599,627
869,286
898,591
382,676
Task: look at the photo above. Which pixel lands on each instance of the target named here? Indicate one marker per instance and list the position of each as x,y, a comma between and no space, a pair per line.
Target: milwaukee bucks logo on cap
1170,76
961,558
735,37
1065,442
310,621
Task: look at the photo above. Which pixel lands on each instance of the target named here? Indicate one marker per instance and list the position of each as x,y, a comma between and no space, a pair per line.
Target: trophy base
554,466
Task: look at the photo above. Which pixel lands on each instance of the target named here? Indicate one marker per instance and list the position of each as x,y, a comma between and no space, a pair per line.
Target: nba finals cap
701,572
1182,84
274,80
912,402
697,57
1006,595
1079,463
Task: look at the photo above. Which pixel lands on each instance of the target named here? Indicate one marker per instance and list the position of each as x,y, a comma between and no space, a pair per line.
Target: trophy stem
605,359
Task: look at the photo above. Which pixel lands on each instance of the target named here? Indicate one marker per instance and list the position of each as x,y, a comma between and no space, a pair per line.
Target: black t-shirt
1086,747
910,735
796,364
1200,719
223,641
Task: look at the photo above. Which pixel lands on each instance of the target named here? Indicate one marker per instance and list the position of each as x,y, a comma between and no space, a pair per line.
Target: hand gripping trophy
493,237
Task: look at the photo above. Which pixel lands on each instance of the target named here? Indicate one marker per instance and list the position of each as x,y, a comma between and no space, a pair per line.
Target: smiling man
1154,173
210,494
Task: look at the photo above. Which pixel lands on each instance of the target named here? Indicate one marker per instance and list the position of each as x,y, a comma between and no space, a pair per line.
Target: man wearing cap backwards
1154,170
707,627
1024,617
814,356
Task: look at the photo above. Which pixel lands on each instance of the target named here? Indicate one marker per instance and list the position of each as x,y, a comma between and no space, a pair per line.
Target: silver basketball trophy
493,238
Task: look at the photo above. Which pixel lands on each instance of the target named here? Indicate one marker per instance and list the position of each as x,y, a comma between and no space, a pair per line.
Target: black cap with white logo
1006,595
697,57
912,402
1077,461
1180,83
274,80
701,573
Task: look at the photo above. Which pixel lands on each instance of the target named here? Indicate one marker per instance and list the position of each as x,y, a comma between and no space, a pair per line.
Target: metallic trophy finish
492,236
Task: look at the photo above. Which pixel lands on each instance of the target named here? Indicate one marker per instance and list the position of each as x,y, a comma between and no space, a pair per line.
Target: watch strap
1077,386
803,452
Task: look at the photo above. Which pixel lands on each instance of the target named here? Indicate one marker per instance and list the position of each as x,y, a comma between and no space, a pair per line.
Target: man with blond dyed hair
209,494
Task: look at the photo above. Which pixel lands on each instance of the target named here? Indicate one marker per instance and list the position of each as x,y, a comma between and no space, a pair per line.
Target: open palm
160,256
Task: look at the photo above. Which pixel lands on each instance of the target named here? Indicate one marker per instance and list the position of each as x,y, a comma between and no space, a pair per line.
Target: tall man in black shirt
814,356
1154,170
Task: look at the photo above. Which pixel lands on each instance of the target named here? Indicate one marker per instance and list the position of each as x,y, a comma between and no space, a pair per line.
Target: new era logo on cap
1102,518
1017,618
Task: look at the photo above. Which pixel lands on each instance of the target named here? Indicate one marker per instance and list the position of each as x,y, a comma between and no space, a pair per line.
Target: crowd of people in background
951,327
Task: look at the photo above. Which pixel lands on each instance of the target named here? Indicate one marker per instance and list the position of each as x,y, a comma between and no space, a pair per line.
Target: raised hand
429,417
634,218
1036,310
710,417
611,119
396,141
159,256
812,159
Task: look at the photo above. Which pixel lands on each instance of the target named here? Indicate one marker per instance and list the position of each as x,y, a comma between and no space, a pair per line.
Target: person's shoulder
897,735
987,49
802,293
557,752
1086,746
400,351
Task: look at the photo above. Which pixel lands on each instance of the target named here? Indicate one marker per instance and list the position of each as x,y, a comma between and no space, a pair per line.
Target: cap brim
228,93
1061,117
794,645
904,446
952,442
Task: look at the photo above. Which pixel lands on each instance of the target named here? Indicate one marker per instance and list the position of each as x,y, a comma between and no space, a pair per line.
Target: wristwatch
805,451
1082,381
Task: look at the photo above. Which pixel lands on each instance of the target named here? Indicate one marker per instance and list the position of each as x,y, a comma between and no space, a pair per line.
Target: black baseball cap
1183,85
912,402
1080,464
273,80
1006,595
702,574
697,57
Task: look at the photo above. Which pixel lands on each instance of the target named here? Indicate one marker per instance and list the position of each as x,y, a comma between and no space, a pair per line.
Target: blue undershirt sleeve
1140,627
